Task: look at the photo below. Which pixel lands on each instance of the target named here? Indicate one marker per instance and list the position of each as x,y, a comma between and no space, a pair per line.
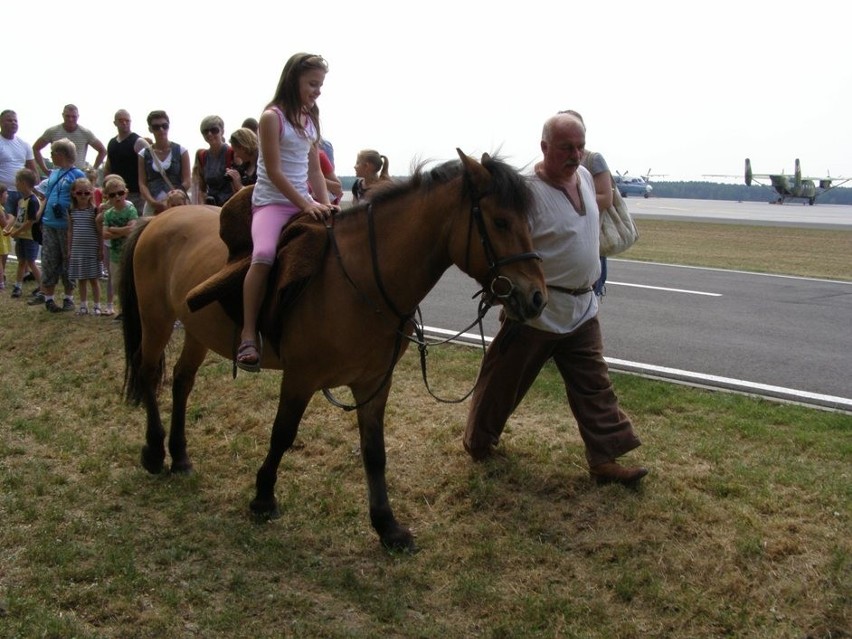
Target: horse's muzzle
522,306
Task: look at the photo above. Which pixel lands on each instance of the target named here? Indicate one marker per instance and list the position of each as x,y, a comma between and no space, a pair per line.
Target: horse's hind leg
149,373
371,428
291,407
191,358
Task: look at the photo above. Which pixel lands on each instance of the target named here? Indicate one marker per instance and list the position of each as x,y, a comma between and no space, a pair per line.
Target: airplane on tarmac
795,187
634,185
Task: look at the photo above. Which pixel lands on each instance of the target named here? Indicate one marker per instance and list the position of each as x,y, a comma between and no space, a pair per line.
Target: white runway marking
692,378
663,288
716,381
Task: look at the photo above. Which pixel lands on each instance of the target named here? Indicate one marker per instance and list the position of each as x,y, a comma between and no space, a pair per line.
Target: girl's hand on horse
319,211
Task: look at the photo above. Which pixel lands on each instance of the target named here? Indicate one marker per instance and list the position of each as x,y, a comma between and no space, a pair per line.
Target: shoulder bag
618,230
35,229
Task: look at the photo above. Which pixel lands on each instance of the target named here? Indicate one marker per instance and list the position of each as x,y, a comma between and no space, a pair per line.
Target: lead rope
423,347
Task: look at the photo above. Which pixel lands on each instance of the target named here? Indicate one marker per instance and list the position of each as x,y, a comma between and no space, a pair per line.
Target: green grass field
740,530
783,250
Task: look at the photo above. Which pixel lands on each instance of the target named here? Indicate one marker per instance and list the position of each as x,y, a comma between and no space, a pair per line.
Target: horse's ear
479,175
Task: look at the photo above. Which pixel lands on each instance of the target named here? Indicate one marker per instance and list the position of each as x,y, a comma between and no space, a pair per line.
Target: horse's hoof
151,462
181,468
400,540
263,510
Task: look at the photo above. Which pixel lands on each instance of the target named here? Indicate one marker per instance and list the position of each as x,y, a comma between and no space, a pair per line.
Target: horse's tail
132,321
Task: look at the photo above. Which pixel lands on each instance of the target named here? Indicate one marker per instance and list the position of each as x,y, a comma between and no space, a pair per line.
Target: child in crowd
116,222
289,135
5,242
102,206
97,192
368,165
176,197
85,245
26,249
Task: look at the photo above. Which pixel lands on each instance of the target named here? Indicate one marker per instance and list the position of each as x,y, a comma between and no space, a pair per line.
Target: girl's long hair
287,96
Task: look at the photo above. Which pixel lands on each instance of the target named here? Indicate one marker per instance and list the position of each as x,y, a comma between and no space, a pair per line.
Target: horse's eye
501,223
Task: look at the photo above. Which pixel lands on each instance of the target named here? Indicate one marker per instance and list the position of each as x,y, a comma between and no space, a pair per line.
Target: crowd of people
58,234
283,155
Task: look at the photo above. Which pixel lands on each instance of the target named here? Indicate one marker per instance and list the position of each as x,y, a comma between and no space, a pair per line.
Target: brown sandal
248,356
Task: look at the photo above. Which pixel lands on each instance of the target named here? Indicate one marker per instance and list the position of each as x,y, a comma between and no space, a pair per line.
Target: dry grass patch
741,530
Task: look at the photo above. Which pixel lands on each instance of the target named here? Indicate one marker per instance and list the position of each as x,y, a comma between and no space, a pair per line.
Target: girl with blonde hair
371,168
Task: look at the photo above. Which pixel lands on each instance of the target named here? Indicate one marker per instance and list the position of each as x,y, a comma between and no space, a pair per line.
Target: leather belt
572,291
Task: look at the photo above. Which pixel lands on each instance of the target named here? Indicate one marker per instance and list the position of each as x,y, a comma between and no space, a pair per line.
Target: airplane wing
827,183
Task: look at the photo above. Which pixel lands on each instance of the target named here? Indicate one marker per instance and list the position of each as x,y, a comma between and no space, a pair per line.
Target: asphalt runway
775,336
824,216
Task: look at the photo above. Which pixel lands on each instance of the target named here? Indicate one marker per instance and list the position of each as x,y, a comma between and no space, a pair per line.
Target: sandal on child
96,311
107,311
248,356
83,310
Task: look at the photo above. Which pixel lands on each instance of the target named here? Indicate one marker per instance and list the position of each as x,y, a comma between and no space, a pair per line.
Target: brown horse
348,325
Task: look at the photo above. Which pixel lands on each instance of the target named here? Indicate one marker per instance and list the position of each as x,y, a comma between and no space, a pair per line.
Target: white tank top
295,147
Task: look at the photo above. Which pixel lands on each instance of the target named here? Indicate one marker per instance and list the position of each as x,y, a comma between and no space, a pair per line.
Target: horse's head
496,247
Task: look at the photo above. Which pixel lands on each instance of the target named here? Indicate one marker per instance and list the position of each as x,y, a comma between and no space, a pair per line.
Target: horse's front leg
291,407
191,358
371,427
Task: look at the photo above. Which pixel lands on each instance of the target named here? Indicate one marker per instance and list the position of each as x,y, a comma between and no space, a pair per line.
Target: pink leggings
266,224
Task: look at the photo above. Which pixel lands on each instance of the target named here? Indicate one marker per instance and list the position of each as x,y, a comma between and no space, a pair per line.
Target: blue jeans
599,287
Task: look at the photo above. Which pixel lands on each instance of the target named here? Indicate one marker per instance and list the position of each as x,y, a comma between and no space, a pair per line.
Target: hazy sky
681,88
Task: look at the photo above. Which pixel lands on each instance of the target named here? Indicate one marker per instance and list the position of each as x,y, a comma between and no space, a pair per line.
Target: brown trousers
514,360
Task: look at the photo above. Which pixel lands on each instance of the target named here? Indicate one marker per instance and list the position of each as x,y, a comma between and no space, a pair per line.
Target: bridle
500,287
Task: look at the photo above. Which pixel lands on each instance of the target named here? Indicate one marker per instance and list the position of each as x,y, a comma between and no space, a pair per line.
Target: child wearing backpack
20,229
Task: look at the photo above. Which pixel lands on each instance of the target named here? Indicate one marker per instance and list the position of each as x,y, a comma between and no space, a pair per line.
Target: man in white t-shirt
80,136
565,232
15,153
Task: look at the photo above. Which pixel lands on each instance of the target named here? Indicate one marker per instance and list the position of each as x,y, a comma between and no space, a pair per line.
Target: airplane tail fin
748,173
798,174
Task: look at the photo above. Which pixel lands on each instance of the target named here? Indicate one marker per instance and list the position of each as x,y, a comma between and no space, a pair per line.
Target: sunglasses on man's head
157,127
116,194
213,129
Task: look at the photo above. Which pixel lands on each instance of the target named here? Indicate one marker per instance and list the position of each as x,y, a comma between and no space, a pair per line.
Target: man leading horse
565,232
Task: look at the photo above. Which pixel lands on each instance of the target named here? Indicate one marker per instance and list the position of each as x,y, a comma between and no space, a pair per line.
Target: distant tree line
738,192
711,191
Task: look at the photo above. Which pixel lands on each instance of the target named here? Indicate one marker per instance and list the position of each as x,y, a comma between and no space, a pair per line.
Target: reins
501,287
329,227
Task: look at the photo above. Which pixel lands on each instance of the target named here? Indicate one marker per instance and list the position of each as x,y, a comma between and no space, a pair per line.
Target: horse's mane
510,188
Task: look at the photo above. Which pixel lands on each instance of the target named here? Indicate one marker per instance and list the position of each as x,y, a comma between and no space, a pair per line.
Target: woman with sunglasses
163,166
209,173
